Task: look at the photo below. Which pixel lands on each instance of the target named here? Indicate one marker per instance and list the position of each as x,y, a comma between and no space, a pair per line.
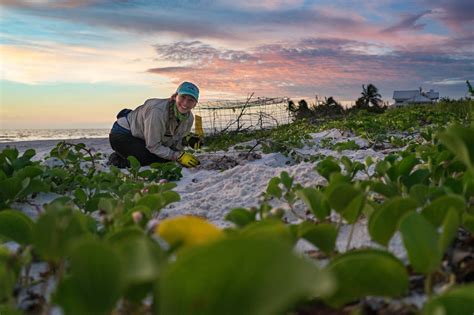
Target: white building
403,98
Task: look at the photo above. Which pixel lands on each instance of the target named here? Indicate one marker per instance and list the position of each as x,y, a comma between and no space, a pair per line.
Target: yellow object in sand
198,126
187,231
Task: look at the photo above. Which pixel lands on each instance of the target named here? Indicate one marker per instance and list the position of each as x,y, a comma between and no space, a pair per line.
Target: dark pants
127,145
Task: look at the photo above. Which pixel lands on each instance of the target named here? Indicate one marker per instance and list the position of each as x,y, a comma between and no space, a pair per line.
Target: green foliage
367,272
459,301
328,166
315,201
241,216
421,241
239,276
383,223
323,235
57,229
460,140
8,274
16,226
348,145
95,282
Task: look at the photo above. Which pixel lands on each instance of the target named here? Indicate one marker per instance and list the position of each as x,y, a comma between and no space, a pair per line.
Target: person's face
185,103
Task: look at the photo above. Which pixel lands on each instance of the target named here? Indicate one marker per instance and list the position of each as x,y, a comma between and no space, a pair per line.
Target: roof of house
401,96
432,95
404,95
419,99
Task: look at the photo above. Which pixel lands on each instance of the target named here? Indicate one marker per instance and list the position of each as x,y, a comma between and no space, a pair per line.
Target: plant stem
44,290
349,239
428,285
295,213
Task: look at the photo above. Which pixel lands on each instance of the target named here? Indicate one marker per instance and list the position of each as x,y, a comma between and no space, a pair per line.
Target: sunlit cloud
47,62
302,68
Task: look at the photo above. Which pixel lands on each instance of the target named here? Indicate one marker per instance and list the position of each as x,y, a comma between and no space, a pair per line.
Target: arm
153,131
189,124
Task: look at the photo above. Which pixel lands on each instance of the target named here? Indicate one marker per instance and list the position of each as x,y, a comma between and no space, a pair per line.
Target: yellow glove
192,140
187,160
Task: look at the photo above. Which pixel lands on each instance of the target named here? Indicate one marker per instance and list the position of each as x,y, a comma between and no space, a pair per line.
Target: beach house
407,97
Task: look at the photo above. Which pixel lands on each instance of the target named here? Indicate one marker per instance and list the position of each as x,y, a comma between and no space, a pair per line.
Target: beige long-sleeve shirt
156,123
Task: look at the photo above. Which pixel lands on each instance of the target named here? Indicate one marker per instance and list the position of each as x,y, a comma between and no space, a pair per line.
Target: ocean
16,135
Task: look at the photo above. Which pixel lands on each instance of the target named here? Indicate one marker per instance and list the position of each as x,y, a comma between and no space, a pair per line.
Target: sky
76,63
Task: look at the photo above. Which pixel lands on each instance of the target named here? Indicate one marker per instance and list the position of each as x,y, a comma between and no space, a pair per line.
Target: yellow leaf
187,231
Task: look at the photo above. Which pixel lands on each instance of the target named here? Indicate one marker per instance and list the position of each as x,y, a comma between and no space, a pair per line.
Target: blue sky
74,63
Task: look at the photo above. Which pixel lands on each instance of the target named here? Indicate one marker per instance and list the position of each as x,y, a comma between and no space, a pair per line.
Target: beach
210,191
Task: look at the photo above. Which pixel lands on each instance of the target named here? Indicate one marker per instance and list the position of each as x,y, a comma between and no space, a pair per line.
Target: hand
192,140
187,160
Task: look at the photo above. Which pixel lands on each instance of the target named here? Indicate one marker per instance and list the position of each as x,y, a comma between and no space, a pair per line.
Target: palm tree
469,87
370,95
330,101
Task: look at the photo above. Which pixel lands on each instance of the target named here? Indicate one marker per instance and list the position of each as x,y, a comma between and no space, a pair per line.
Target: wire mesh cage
242,115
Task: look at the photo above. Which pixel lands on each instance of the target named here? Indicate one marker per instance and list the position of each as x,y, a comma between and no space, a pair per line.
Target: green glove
192,140
187,160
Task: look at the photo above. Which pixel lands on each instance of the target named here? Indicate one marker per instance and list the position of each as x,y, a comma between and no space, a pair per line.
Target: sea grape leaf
55,230
16,226
270,228
141,258
383,222
421,242
96,280
468,222
459,301
266,277
286,180
346,200
367,272
240,216
157,201
450,225
273,188
460,141
315,201
326,167
436,211
323,235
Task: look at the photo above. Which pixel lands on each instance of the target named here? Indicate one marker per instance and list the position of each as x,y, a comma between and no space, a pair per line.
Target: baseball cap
188,88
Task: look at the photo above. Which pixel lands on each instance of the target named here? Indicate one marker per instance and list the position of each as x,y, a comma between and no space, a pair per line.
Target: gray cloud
108,14
457,14
408,22
195,51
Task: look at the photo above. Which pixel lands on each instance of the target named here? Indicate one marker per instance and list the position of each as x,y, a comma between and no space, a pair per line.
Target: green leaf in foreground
421,242
346,200
55,230
367,272
436,211
16,226
383,222
240,216
451,223
460,141
95,284
323,235
327,166
141,258
458,301
315,201
239,276
273,188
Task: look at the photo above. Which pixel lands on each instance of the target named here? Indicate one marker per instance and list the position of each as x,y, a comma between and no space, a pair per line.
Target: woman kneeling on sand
154,131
